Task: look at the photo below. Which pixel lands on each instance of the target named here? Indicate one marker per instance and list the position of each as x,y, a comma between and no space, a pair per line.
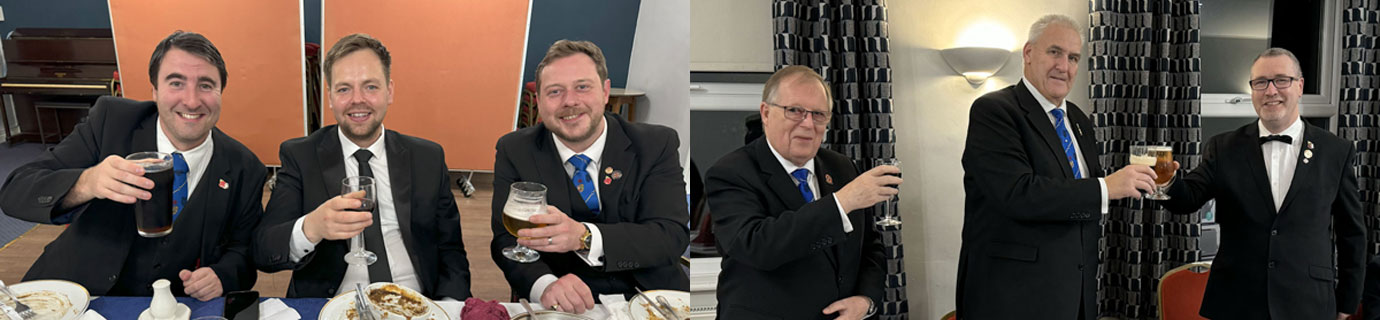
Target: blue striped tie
584,183
179,183
802,177
1067,142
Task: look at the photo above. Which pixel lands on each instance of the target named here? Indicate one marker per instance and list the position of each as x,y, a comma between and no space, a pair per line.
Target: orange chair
1181,291
952,315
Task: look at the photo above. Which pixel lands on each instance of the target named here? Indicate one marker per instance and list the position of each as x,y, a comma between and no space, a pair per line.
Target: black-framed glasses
1280,83
794,113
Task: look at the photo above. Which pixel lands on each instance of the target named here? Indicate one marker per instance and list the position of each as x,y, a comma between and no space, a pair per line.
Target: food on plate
395,300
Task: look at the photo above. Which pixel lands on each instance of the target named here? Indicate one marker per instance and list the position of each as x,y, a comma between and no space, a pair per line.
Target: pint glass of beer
525,199
154,217
1161,159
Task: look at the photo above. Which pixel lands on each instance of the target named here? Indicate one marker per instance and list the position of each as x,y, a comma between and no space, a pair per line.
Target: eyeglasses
797,113
1280,83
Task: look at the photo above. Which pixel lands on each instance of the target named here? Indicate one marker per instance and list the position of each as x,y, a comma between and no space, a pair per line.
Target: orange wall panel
457,68
261,42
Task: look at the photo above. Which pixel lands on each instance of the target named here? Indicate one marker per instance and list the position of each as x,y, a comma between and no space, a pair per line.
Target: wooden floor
486,280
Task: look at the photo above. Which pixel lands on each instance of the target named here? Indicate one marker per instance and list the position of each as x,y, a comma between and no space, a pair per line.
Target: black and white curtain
1360,103
846,42
1143,61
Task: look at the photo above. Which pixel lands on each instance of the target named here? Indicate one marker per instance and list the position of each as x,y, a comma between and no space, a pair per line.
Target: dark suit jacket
1370,295
313,167
1027,221
214,229
1279,264
784,258
643,216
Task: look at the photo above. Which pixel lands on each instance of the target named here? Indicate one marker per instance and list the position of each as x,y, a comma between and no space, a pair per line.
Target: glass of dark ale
888,210
358,255
525,199
154,217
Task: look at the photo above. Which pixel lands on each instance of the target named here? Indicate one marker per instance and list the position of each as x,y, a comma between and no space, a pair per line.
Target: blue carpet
11,157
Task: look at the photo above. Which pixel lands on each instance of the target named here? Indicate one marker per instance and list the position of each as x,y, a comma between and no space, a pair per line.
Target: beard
364,132
579,136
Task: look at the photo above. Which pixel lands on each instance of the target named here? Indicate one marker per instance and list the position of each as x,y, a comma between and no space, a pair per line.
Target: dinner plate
342,306
53,299
642,309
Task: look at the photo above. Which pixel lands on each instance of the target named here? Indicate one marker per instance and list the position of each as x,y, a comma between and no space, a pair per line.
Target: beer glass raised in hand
525,199
154,217
1161,159
358,255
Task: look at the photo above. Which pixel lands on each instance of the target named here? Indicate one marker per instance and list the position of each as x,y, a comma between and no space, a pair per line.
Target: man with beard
414,228
1293,240
85,181
617,215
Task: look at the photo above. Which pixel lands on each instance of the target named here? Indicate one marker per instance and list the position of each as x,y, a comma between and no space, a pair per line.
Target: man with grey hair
1285,190
1034,197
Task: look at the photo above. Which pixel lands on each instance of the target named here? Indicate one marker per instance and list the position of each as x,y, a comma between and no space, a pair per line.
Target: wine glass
525,199
358,255
889,207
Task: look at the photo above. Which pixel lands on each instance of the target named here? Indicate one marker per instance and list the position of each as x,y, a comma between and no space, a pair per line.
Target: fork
365,311
23,309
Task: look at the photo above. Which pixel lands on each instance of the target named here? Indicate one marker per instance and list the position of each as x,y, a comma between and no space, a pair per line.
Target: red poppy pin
224,185
828,179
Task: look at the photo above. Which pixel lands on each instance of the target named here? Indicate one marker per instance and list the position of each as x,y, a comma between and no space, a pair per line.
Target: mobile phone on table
242,305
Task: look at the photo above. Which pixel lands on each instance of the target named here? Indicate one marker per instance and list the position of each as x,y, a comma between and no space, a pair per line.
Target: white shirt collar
1040,97
197,158
348,148
594,152
790,167
1294,131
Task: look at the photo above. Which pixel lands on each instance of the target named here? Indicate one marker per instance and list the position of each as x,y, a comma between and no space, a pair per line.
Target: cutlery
362,307
667,304
19,307
530,314
655,306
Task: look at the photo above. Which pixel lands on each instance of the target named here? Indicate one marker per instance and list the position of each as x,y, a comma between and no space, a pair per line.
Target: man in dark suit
786,214
414,228
85,181
1033,195
617,214
1285,189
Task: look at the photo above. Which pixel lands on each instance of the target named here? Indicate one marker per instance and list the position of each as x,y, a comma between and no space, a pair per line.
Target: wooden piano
51,77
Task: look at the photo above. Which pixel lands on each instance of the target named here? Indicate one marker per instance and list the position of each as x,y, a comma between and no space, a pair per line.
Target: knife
655,306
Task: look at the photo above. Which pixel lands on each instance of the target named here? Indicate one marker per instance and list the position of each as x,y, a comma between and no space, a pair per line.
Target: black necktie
373,235
1277,137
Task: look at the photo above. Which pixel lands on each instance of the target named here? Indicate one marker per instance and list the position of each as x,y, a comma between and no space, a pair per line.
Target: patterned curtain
1360,103
846,42
1143,60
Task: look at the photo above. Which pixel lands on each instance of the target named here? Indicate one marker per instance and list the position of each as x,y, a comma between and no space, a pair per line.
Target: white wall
660,67
931,119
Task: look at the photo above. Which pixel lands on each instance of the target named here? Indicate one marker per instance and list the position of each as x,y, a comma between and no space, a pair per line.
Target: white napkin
91,315
275,309
616,306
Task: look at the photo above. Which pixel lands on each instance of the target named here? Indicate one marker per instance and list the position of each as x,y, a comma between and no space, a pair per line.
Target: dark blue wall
311,21
608,23
54,14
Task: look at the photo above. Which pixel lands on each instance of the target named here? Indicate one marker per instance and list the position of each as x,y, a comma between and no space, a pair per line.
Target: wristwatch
585,239
871,309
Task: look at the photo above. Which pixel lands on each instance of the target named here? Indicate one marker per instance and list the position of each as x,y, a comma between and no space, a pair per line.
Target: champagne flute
358,255
889,207
525,199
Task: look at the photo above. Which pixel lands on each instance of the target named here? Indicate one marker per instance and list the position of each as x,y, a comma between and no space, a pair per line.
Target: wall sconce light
975,63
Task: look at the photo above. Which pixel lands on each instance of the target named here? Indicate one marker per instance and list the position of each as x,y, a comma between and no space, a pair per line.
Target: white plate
641,309
76,295
181,312
337,307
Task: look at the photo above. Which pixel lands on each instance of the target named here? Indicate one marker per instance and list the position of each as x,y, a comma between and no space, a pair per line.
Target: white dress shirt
399,261
814,184
595,152
1073,138
197,158
1281,159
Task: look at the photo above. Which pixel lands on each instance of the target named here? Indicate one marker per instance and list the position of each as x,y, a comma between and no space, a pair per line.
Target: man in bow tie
1284,189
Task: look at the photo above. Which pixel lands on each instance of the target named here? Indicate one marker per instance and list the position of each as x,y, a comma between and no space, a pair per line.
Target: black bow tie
1277,137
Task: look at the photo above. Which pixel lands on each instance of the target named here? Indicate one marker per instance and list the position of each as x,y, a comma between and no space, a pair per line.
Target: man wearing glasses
1285,189
786,212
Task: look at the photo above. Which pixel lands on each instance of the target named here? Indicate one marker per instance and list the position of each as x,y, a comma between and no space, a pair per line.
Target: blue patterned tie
179,183
802,177
584,183
1067,142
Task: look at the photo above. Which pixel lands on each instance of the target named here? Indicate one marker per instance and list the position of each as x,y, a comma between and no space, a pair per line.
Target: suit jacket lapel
332,162
1247,144
551,172
145,138
776,177
400,176
1087,140
1302,170
619,158
824,179
206,192
1039,119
